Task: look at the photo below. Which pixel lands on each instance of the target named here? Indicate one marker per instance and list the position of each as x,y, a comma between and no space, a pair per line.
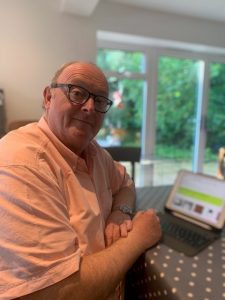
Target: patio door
125,71
215,117
176,117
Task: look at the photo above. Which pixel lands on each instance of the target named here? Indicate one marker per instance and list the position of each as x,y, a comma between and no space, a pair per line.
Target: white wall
36,38
131,20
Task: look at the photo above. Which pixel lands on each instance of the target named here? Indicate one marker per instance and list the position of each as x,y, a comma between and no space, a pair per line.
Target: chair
18,123
221,163
126,154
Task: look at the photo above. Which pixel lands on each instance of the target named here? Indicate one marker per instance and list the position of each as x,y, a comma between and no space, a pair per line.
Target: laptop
194,212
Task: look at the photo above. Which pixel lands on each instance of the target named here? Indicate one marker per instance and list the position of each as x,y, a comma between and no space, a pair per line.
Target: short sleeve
38,245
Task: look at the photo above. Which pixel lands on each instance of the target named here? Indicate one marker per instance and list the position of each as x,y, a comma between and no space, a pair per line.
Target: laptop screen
200,197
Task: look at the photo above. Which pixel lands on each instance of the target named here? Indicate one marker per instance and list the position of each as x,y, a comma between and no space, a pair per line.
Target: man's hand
146,228
118,225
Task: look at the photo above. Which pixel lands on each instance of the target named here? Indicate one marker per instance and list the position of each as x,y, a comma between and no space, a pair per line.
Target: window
175,116
215,120
168,101
123,122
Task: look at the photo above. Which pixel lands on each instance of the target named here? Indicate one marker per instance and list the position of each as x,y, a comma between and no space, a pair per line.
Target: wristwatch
124,209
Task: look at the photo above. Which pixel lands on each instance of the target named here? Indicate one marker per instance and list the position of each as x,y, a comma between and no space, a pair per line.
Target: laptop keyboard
184,234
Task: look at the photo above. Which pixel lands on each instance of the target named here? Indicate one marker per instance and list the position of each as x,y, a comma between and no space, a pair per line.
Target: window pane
176,113
121,61
122,124
215,117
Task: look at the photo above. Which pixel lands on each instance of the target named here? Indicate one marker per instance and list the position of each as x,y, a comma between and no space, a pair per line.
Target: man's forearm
98,276
125,196
113,262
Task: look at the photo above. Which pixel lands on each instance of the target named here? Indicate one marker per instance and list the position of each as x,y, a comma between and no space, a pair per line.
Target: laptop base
184,237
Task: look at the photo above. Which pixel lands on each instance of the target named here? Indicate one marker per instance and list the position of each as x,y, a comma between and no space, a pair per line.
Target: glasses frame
68,86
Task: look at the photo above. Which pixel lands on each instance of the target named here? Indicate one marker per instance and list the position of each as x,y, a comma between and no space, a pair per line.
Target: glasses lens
78,94
101,104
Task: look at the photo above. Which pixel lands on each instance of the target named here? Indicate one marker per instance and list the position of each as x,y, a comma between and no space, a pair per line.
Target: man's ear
47,97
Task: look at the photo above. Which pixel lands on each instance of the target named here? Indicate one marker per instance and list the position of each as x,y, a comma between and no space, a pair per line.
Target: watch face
126,209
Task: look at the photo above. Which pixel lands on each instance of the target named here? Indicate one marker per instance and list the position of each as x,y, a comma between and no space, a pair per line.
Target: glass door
125,71
176,110
123,122
215,124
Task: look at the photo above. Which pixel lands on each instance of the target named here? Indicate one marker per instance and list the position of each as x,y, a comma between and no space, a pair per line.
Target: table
165,274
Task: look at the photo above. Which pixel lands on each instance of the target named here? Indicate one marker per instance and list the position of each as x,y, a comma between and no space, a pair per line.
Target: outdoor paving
164,172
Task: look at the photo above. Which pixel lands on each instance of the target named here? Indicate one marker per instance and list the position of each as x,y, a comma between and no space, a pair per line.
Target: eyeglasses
79,95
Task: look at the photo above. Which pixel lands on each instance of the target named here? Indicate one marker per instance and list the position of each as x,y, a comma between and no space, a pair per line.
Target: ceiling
206,9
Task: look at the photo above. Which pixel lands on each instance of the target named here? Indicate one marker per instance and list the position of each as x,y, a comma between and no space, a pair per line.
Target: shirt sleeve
38,245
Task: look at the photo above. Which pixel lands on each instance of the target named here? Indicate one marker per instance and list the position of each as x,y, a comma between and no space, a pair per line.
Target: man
66,231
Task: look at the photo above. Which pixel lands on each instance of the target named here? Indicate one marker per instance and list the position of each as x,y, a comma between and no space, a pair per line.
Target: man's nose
89,105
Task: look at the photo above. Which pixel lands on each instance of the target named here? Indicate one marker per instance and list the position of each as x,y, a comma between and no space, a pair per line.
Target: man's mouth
83,121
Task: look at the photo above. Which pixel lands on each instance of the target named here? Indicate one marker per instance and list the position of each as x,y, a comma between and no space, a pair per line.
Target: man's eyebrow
100,92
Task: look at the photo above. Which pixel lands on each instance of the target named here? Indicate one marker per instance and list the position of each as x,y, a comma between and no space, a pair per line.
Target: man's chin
80,133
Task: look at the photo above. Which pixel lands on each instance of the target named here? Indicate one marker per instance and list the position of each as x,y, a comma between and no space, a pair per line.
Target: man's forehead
82,69
85,73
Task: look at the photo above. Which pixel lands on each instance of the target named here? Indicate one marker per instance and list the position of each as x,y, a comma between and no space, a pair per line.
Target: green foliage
172,152
120,61
127,114
176,103
216,108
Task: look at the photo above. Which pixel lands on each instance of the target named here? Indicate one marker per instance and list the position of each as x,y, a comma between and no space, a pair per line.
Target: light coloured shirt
53,207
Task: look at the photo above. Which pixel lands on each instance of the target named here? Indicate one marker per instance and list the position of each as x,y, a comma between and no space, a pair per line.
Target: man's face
74,124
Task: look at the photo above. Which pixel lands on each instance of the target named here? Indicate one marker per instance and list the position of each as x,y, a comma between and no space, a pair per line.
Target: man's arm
118,223
126,196
101,272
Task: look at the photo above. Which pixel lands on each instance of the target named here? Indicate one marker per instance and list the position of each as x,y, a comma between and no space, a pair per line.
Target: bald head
94,70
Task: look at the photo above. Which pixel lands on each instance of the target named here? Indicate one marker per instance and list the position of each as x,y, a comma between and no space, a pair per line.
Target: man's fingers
108,235
116,233
129,225
112,234
125,227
